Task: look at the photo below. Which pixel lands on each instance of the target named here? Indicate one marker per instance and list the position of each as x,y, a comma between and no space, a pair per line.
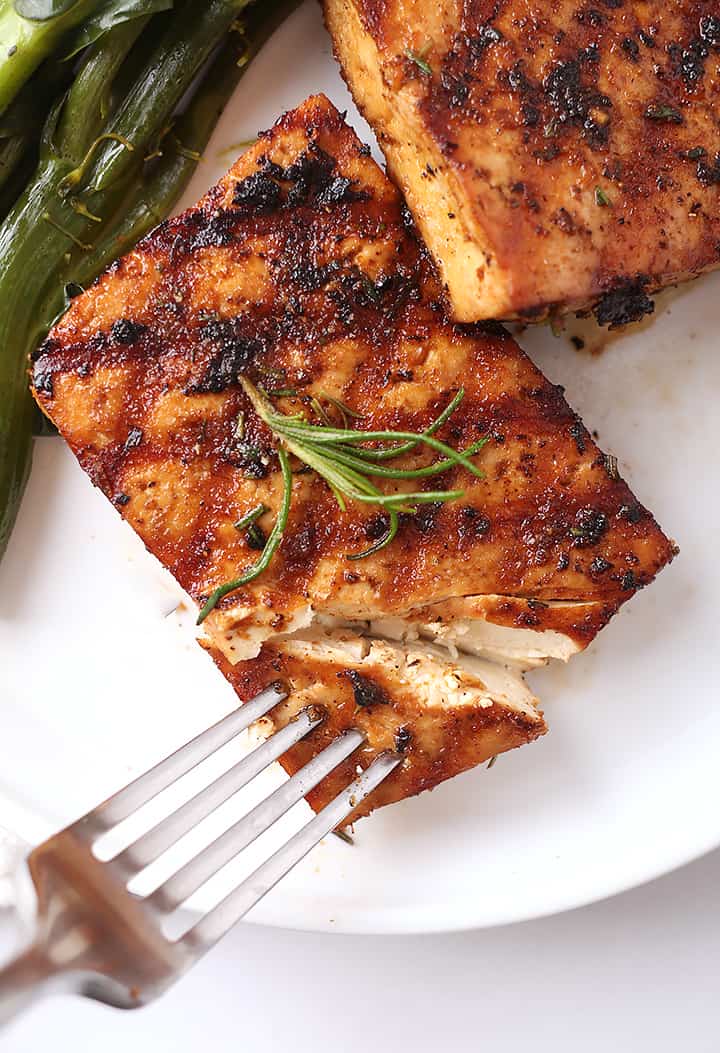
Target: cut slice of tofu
525,648
501,628
443,716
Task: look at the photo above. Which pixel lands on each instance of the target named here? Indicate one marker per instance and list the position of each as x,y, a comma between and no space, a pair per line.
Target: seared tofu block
555,156
302,272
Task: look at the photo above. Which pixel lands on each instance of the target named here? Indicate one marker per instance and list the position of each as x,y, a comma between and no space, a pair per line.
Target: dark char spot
689,62
591,17
708,172
257,192
125,331
456,90
43,379
633,513
253,461
589,527
710,30
340,190
310,175
486,36
573,101
216,229
626,303
600,565
366,691
631,48
579,434
233,356
377,527
473,522
424,520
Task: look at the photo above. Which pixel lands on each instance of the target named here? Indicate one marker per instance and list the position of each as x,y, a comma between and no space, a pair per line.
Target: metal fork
96,938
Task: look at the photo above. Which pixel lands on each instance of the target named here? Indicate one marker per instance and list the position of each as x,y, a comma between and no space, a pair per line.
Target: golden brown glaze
302,270
554,155
299,268
438,739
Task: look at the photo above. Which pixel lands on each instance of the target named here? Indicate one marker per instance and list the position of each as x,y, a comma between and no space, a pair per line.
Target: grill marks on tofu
554,156
301,270
320,287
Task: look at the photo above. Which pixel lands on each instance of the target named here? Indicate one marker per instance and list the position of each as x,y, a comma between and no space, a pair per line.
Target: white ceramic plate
98,682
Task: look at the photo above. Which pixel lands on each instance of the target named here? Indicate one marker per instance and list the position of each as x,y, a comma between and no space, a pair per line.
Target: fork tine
186,817
152,782
206,932
172,893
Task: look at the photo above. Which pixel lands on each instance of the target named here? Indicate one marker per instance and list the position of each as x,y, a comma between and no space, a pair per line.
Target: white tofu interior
240,634
525,648
436,679
450,652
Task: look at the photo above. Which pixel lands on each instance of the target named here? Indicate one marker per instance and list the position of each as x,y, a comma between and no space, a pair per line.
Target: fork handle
23,980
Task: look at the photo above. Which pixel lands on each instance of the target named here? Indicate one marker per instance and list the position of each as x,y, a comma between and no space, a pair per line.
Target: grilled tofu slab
302,271
554,156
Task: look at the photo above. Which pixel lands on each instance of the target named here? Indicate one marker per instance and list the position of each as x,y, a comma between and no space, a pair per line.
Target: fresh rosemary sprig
250,517
270,548
346,461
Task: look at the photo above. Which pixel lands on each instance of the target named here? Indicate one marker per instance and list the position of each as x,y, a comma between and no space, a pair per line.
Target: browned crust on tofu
302,270
435,744
300,265
555,156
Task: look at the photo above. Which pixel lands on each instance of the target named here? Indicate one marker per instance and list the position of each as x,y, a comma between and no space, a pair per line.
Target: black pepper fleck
633,513
600,565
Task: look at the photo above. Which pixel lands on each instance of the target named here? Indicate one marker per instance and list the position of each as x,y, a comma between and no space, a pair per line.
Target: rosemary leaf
250,517
268,552
420,62
348,464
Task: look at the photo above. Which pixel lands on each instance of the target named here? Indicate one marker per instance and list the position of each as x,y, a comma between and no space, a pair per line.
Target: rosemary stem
268,551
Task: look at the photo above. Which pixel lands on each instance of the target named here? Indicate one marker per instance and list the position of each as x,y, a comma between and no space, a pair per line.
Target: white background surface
637,973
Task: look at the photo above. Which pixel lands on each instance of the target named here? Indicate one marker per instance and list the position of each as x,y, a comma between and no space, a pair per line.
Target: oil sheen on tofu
302,271
555,156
